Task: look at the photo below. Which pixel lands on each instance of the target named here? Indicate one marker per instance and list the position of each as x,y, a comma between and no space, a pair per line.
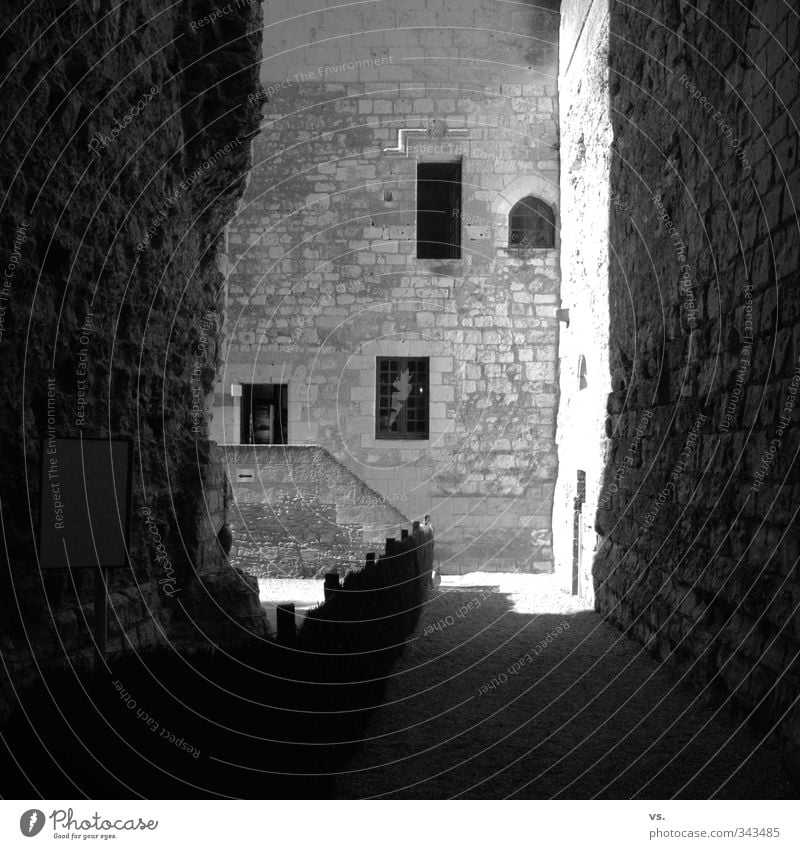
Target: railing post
286,623
403,534
331,584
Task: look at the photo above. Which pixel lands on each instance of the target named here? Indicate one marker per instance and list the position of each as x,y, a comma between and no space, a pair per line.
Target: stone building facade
325,278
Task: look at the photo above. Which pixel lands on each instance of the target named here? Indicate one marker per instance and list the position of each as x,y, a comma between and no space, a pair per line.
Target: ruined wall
125,141
324,275
697,510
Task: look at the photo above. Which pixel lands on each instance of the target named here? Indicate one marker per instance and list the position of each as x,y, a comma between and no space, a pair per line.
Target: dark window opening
264,414
532,224
439,210
402,402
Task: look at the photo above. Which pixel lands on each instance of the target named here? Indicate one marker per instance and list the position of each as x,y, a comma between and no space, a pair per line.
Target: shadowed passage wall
680,183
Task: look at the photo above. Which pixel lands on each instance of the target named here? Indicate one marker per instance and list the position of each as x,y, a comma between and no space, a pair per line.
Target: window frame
249,400
402,431
528,203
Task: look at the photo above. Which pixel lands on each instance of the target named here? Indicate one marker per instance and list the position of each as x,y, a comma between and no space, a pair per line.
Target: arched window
531,224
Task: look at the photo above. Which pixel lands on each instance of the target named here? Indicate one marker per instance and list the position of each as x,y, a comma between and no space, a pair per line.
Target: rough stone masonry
324,276
680,153
118,198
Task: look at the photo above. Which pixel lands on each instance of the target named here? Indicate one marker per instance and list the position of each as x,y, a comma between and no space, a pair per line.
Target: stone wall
300,513
126,142
696,514
324,275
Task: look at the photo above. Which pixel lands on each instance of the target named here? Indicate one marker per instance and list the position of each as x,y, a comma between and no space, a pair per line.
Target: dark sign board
85,503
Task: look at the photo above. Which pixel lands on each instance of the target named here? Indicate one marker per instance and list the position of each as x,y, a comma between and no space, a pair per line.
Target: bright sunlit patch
528,593
303,593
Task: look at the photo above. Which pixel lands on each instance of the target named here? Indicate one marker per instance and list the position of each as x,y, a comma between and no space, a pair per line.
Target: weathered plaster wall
125,138
697,511
323,270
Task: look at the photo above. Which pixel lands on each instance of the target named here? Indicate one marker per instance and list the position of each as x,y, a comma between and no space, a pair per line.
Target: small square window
402,398
264,414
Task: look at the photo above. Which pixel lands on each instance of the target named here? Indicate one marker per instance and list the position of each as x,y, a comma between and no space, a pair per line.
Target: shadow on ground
268,722
489,699
586,714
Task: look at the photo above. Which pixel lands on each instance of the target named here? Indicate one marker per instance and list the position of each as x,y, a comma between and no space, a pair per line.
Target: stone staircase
298,512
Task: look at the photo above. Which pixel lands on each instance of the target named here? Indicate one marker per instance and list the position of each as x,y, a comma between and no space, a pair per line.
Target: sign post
84,520
100,617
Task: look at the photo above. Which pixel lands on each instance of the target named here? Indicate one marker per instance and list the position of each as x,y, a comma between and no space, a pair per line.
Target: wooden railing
376,607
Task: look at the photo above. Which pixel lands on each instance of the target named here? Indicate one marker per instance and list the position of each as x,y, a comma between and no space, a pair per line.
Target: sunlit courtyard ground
303,594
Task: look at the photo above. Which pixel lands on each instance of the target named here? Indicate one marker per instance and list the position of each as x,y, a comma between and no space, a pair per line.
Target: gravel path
586,714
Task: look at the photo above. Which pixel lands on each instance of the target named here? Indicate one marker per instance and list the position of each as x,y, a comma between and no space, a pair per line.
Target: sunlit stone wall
585,257
324,276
